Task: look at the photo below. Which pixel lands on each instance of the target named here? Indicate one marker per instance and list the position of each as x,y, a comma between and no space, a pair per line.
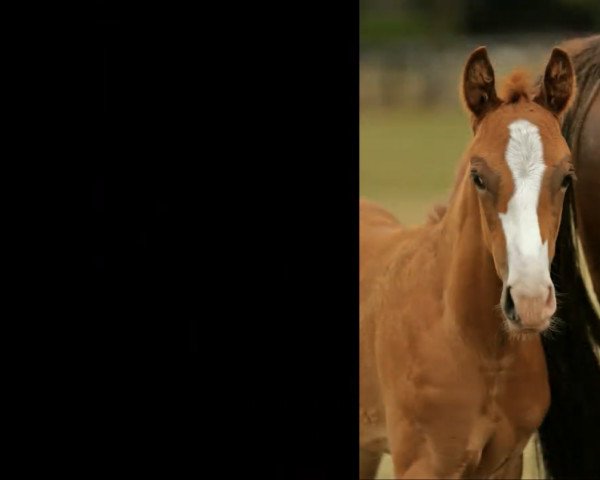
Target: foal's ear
558,88
478,85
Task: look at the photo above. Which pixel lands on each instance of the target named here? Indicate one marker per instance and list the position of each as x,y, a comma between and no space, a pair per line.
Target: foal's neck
472,288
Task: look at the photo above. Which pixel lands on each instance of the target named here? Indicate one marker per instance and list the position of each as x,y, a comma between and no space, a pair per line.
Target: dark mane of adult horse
570,433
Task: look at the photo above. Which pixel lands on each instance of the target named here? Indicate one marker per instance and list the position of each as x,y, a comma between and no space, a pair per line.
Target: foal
451,385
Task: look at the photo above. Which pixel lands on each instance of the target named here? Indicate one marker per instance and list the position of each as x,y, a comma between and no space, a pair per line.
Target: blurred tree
444,18
499,16
383,21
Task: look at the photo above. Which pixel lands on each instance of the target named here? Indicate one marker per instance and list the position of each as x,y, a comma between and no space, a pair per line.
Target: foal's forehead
524,125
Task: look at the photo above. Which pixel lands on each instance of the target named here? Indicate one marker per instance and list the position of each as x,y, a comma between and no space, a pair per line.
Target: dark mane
569,433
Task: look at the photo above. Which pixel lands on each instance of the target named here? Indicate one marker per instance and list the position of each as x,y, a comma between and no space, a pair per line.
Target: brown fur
516,86
569,433
558,87
437,213
478,90
443,387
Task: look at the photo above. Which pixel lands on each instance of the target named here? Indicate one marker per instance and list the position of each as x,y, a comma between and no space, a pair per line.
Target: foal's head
520,169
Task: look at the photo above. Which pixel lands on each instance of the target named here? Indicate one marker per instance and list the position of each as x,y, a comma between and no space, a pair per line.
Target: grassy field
408,158
407,163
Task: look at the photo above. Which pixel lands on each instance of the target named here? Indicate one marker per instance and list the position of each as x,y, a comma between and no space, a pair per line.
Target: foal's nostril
509,306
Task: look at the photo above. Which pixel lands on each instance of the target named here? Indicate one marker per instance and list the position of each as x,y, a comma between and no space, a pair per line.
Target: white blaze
527,256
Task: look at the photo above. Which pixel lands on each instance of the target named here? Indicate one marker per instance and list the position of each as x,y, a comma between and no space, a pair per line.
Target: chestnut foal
451,385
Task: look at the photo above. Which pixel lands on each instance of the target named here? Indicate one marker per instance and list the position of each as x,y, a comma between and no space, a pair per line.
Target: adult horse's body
582,131
451,385
570,432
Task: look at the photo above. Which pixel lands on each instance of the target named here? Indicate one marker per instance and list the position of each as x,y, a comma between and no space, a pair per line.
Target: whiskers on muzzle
555,328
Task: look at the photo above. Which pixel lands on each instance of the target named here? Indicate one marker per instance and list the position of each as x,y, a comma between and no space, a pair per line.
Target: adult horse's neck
472,288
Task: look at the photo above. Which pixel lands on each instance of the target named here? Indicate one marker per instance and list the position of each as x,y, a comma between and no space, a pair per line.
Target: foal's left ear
558,89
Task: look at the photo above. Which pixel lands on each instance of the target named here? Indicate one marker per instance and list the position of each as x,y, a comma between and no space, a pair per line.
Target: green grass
408,158
381,29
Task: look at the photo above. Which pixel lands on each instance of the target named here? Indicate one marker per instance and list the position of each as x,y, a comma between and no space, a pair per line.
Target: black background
221,149
138,149
224,236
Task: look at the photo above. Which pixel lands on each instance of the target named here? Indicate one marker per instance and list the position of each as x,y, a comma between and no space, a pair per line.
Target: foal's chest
512,408
480,416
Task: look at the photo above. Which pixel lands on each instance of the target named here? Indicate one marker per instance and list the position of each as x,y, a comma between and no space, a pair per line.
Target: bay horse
569,434
582,130
453,377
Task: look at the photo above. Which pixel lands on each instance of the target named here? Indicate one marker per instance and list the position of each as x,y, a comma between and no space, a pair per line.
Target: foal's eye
478,181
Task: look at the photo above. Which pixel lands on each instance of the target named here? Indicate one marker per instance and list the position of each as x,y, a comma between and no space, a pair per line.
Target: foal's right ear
478,85
558,88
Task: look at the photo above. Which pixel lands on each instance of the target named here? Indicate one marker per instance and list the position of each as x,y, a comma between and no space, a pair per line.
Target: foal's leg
512,470
369,462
